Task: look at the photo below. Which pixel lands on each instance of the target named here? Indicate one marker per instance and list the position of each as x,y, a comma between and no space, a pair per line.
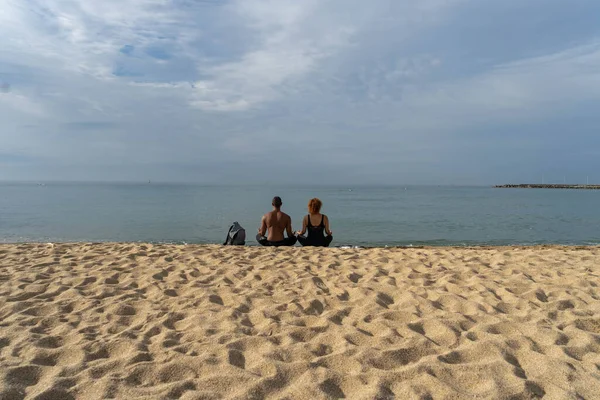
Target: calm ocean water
365,216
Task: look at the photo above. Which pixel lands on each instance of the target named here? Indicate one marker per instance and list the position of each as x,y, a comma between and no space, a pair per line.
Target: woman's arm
327,230
303,231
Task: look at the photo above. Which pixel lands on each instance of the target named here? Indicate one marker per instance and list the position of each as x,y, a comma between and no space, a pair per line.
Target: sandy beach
128,321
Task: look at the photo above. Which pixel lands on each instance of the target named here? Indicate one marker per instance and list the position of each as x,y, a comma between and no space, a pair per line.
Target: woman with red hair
317,225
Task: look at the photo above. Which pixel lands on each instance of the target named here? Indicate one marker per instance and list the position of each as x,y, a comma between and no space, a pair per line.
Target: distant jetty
548,186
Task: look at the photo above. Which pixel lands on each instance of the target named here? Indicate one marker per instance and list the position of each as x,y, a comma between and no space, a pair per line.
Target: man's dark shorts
290,241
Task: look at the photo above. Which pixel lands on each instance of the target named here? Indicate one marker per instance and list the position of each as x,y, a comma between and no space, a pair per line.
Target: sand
128,321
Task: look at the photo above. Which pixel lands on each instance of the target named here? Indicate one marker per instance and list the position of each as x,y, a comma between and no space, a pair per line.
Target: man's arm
262,231
288,227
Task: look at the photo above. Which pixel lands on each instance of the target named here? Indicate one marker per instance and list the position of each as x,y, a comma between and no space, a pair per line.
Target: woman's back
316,226
315,230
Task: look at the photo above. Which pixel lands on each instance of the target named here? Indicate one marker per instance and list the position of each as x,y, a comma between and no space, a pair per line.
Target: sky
300,91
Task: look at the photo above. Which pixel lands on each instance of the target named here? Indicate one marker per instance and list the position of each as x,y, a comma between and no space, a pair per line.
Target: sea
360,215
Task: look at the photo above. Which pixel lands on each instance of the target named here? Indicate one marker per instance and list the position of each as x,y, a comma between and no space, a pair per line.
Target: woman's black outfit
315,235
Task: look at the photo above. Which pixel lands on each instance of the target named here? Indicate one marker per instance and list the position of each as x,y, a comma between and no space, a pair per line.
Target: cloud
386,90
90,125
294,39
86,37
525,89
285,51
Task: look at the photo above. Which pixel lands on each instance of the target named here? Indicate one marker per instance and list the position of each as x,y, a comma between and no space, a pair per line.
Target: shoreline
340,247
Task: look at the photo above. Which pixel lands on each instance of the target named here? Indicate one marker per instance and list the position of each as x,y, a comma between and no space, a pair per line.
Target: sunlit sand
95,321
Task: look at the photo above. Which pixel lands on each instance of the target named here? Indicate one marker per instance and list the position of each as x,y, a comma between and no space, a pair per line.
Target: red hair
314,205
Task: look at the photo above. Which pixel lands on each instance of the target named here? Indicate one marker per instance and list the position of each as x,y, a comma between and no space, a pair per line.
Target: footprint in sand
541,296
339,316
46,360
4,342
53,394
236,358
50,342
87,281
125,310
172,319
384,300
213,298
315,308
332,390
320,284
344,296
23,376
113,280
160,275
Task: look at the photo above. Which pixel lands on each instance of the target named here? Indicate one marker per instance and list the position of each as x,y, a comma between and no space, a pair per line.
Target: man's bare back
277,222
273,224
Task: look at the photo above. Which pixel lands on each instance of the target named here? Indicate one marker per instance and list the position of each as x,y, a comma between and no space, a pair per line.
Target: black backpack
236,236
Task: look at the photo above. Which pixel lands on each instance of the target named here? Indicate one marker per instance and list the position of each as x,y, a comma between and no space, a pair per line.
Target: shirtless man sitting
272,226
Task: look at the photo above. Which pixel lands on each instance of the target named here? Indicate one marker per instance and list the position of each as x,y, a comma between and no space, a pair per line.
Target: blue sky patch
158,53
127,49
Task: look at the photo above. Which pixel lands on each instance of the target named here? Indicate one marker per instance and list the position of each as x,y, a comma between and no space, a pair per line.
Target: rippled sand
95,321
